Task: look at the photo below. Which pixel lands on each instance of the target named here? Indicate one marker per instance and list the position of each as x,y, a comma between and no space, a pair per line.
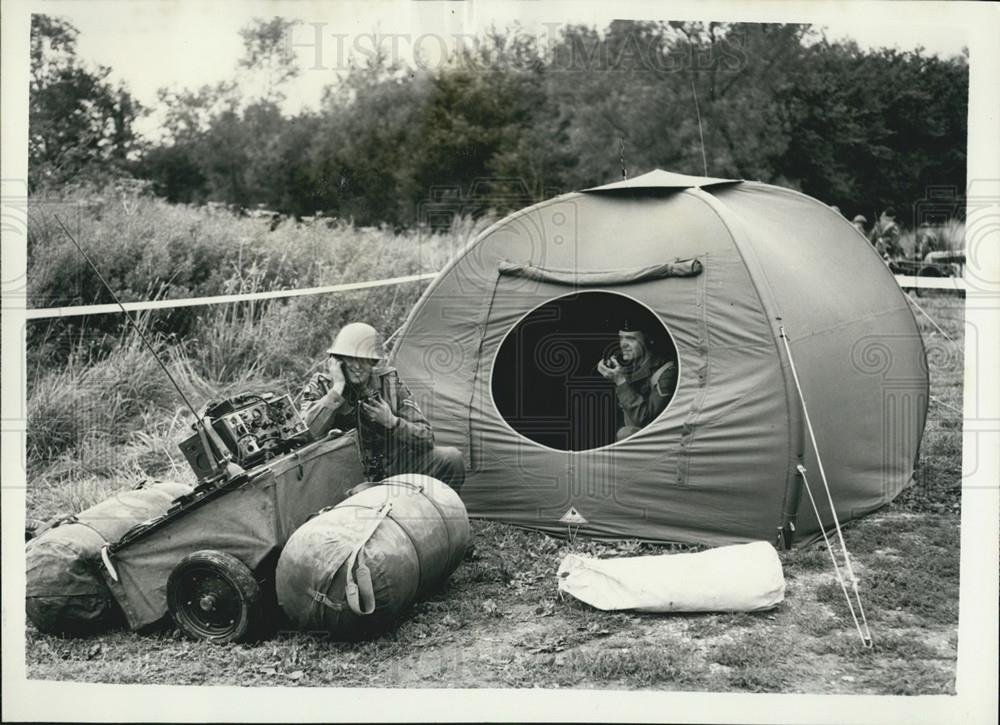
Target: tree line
509,121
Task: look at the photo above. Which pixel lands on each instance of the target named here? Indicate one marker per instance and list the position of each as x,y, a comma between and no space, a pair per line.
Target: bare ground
500,622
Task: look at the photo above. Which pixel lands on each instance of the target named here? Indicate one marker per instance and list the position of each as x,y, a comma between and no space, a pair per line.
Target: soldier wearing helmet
360,392
644,379
885,235
859,222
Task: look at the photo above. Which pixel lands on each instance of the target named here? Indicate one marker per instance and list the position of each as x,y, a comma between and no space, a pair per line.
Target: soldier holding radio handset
644,379
359,392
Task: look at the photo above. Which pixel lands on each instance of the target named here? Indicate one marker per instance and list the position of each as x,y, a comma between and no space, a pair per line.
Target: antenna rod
701,132
135,324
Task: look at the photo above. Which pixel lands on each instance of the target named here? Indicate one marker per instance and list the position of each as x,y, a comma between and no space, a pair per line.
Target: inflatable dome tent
501,350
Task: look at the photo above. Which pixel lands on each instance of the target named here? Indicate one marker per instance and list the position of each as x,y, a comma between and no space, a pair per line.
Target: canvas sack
740,578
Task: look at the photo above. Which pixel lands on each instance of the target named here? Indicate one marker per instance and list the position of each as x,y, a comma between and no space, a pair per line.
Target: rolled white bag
740,578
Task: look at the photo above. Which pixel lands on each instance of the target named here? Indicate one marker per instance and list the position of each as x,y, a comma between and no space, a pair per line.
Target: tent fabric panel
642,468
871,422
810,255
885,408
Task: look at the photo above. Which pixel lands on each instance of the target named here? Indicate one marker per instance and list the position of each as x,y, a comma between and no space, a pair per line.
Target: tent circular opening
545,381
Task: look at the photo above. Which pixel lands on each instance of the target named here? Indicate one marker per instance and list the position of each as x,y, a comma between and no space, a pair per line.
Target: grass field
499,621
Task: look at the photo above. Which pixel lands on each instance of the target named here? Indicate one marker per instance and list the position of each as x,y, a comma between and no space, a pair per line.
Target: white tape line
911,282
952,283
48,312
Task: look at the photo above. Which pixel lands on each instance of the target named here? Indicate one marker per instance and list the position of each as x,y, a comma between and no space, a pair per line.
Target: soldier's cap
860,218
631,326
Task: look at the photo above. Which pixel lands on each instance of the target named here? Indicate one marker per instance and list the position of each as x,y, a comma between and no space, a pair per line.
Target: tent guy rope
866,634
932,320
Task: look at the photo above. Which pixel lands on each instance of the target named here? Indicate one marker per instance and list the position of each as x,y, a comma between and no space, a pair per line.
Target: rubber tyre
213,596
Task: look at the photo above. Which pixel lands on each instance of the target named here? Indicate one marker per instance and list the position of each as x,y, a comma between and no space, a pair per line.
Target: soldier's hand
378,411
338,378
610,370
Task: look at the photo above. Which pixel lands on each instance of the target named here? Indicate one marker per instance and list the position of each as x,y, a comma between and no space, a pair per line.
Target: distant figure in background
644,379
927,241
836,209
859,222
885,235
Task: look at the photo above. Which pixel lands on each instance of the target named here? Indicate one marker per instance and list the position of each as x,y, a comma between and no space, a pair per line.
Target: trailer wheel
214,596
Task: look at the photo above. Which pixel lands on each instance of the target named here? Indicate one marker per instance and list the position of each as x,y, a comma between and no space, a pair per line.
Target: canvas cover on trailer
251,521
719,465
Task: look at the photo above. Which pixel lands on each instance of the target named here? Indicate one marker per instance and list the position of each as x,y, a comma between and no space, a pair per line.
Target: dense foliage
509,120
78,122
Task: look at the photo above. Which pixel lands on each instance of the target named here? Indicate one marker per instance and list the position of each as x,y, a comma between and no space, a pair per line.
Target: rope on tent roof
933,322
866,637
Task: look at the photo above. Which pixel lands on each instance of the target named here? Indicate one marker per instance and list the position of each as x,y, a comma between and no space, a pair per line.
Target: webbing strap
866,636
359,592
321,598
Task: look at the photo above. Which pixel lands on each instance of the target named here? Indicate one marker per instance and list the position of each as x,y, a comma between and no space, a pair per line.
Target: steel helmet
860,218
357,339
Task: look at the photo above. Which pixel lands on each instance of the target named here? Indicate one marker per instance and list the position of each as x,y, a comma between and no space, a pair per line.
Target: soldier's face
358,369
633,345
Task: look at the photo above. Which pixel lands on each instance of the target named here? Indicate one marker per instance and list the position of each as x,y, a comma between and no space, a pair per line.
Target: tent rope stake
866,633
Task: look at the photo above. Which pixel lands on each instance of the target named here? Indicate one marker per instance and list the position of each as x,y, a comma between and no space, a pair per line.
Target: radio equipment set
246,430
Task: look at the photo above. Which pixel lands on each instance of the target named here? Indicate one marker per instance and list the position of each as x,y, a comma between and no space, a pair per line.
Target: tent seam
847,323
479,360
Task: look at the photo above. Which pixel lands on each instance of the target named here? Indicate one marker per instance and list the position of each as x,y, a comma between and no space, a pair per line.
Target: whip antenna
135,324
701,132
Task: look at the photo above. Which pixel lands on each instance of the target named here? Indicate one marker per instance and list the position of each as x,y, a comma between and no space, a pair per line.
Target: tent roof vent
660,179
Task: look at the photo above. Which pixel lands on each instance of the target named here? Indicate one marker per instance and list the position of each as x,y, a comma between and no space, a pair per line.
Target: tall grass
99,407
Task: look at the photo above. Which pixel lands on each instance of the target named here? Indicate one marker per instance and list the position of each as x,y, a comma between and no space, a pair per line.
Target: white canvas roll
741,578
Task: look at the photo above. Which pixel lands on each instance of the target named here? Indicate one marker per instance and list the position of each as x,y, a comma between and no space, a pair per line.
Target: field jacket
646,390
381,448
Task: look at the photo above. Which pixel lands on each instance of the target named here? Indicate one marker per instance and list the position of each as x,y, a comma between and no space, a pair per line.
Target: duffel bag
65,592
355,569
